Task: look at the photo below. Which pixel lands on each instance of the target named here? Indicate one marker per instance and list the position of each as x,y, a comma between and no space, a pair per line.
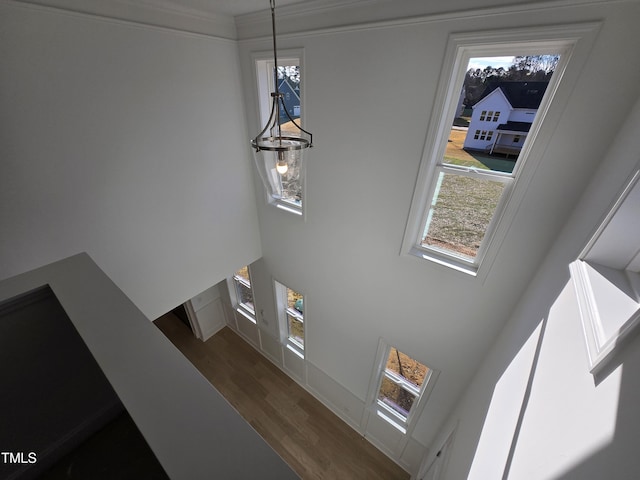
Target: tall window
469,183
290,306
468,173
289,80
243,293
401,385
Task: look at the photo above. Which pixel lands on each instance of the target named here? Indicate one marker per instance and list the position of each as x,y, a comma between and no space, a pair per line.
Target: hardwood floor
310,438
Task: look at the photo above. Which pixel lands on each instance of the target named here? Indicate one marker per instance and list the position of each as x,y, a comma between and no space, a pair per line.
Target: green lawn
456,155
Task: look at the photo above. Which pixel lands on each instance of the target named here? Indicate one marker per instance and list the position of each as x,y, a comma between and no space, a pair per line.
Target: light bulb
281,166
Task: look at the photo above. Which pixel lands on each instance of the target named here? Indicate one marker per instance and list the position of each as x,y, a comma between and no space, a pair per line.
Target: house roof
286,85
519,94
514,126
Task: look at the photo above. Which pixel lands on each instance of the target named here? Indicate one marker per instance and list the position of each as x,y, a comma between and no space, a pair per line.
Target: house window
243,294
461,196
469,186
483,135
289,78
400,388
290,306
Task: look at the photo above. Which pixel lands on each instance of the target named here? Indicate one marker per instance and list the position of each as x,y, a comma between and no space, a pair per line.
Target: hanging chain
275,51
275,69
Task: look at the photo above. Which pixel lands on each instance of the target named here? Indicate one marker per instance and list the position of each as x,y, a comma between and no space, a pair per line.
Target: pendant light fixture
279,147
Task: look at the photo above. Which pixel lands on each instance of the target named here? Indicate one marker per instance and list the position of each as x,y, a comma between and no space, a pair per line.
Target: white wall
127,142
523,115
533,410
112,133
368,93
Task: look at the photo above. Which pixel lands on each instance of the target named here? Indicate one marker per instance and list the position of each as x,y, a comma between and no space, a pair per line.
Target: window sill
445,260
295,350
596,314
246,314
289,208
389,417
606,276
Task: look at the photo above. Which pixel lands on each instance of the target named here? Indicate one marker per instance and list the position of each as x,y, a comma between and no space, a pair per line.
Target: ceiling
210,17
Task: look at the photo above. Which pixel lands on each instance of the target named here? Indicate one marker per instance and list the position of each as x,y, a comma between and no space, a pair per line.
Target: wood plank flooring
310,438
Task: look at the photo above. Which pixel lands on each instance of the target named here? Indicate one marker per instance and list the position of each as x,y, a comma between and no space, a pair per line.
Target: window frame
283,314
561,40
422,394
263,64
243,309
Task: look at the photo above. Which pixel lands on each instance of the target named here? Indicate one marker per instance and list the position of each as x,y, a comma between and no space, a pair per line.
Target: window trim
283,311
376,407
241,308
262,61
600,252
290,312
560,39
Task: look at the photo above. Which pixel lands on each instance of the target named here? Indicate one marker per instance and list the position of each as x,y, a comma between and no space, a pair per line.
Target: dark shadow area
461,122
117,451
181,313
54,395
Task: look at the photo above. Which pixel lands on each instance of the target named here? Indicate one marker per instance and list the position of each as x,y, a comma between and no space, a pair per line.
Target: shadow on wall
619,459
506,388
530,388
490,413
533,410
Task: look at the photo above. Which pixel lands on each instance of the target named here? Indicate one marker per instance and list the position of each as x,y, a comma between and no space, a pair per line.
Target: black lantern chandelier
279,147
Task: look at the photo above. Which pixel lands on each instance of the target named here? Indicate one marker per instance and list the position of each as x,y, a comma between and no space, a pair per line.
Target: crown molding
304,17
330,16
156,13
